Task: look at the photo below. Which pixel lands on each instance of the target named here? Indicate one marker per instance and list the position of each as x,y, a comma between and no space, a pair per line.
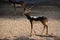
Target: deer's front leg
31,28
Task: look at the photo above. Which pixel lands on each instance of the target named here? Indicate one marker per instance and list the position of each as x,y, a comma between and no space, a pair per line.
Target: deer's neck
28,16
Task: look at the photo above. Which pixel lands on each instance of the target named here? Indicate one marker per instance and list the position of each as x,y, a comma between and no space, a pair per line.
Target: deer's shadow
41,37
47,37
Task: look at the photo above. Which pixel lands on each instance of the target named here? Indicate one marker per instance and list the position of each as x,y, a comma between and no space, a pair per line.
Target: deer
22,3
42,19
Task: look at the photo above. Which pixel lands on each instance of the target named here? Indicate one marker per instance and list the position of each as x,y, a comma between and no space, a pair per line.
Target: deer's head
27,11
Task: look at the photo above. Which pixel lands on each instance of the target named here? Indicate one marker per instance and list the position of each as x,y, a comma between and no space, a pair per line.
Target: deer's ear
31,7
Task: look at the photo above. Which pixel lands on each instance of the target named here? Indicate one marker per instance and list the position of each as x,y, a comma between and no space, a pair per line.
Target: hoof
30,35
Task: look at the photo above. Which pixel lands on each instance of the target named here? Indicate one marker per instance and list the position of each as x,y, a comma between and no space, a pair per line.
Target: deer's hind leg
46,29
45,26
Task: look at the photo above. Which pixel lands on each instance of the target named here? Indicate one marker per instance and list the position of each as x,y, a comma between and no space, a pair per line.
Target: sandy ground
17,27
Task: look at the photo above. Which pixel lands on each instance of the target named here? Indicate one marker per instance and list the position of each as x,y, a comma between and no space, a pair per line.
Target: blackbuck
21,3
42,19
